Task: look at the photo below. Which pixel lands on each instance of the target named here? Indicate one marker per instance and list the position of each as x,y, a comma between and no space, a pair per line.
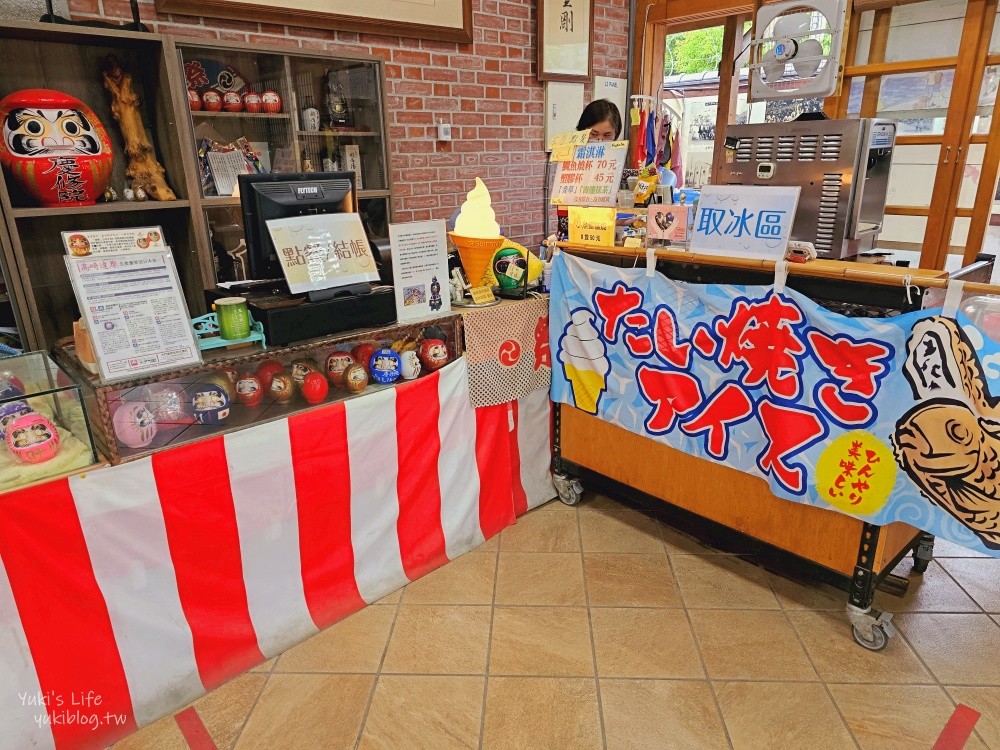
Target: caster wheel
920,565
570,497
570,490
879,638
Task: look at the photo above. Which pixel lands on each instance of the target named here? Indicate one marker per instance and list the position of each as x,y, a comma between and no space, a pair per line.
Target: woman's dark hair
597,112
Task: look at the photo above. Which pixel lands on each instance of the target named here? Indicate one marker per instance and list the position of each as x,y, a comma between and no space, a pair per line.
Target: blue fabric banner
887,419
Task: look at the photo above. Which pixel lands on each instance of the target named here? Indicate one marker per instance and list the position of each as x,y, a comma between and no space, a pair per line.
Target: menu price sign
420,269
592,226
84,242
592,176
744,221
322,251
135,313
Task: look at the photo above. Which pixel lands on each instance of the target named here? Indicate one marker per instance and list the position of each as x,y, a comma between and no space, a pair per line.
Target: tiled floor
597,627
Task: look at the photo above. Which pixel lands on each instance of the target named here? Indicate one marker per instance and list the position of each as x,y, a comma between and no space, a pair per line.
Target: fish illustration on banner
886,419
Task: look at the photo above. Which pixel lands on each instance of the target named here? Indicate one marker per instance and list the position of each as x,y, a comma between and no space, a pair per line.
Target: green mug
234,320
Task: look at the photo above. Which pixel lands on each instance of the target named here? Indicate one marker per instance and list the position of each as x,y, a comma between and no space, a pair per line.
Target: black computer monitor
279,196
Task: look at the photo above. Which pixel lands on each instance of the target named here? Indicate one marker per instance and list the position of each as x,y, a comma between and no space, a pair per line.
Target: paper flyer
420,269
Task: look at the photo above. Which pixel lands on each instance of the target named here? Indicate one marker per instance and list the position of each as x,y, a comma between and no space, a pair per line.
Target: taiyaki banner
886,419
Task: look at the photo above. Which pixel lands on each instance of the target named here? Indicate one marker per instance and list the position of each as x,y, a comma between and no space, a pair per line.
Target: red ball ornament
266,370
314,388
433,354
252,103
232,101
271,101
194,100
54,147
211,100
363,352
249,391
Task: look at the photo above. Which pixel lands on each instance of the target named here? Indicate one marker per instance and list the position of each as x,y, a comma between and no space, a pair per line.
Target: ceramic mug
234,320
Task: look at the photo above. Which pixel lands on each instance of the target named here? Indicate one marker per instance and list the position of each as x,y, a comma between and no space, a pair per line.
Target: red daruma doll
54,147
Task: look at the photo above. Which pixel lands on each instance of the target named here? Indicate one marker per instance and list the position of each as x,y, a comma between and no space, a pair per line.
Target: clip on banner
780,276
908,284
952,298
650,261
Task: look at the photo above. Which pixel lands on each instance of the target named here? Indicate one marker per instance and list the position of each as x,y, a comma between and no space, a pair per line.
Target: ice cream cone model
477,234
584,360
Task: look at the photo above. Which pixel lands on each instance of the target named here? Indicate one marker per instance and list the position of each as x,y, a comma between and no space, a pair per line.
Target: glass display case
239,388
44,432
271,111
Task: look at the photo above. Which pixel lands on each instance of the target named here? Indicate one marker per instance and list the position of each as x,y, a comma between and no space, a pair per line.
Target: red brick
88,7
491,105
233,36
311,33
428,201
411,57
379,40
413,73
439,59
415,147
414,102
273,28
393,72
442,104
255,39
442,89
492,79
414,118
419,88
439,160
420,175
492,50
467,118
492,65
487,21
466,62
440,74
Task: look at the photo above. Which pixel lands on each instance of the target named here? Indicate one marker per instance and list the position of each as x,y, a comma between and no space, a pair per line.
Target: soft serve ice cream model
477,234
584,360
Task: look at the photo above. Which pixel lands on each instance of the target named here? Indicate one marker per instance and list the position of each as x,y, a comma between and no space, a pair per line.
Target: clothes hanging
640,141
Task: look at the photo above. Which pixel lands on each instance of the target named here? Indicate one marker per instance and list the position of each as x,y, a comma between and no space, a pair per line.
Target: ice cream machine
842,167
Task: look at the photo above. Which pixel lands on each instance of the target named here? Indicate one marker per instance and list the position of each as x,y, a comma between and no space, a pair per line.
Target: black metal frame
136,25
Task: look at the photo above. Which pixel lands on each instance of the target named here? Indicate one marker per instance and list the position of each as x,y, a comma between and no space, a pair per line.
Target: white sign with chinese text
322,251
135,313
592,176
83,242
744,221
420,269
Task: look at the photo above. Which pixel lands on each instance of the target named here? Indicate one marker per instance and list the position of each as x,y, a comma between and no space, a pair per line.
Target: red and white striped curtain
147,584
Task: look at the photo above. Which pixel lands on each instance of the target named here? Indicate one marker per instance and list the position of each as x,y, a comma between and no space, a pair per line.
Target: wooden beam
919,140
729,89
876,54
836,106
900,66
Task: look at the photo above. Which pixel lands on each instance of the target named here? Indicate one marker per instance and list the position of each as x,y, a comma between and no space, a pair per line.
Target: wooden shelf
221,201
242,115
119,206
374,194
337,134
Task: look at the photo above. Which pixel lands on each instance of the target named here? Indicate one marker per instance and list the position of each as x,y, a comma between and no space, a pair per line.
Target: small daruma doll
32,439
54,147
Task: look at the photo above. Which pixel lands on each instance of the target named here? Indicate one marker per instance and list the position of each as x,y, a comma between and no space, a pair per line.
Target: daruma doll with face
54,147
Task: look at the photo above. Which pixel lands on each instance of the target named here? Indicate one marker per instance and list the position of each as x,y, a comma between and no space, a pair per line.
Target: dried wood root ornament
143,169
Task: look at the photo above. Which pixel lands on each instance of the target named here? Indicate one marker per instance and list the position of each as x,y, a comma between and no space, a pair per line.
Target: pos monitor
284,195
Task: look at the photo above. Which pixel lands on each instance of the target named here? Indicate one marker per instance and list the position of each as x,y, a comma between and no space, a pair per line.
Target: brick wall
487,90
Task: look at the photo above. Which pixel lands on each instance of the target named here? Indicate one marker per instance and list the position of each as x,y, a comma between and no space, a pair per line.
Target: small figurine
356,377
267,370
140,195
110,195
210,403
32,438
10,411
338,112
10,385
302,367
385,366
271,102
433,354
363,352
252,103
232,102
411,364
336,363
194,101
134,425
129,194
435,302
249,391
211,100
282,388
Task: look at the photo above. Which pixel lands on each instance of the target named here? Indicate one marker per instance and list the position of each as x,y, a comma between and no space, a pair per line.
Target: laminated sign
591,176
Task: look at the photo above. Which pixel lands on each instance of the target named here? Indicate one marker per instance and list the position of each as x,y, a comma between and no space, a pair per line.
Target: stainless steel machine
842,167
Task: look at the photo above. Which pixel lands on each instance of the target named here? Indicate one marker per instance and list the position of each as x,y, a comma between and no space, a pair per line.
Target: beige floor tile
958,649
678,543
806,594
542,531
466,580
944,548
895,717
550,578
418,712
393,598
644,643
662,714
160,735
541,714
979,577
308,710
556,505
491,545
985,700
355,644
550,641
630,581
934,591
750,645
266,666
722,582
439,640
828,640
782,716
619,531
225,709
596,501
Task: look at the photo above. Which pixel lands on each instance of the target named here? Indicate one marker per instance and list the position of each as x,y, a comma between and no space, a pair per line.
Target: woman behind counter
603,119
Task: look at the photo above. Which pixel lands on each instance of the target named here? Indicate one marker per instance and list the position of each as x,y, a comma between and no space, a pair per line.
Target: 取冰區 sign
592,176
746,221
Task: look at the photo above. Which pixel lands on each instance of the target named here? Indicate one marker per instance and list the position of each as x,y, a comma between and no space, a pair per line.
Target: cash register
289,317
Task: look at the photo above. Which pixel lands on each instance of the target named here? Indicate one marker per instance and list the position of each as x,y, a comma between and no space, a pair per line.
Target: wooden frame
314,14
580,65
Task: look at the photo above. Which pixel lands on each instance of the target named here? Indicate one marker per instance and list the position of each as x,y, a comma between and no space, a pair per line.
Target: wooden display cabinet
69,59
